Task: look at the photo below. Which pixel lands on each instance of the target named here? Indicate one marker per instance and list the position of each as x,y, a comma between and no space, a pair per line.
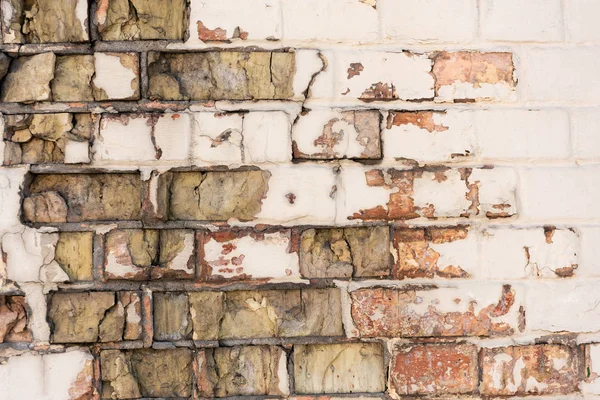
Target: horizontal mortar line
390,45
289,106
185,166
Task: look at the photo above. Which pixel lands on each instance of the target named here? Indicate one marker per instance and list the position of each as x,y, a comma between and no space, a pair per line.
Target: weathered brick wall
299,198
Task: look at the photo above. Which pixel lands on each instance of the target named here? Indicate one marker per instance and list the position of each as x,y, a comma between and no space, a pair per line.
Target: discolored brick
242,371
345,253
434,369
101,197
223,75
339,368
528,370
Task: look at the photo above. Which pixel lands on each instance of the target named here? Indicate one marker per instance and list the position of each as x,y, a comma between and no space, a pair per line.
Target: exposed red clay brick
434,369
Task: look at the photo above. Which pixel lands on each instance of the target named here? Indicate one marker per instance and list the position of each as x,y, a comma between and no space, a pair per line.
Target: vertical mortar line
92,22
144,81
479,7
565,26
381,31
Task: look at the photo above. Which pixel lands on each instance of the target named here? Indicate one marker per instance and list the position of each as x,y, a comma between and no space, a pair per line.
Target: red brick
536,369
434,369
472,310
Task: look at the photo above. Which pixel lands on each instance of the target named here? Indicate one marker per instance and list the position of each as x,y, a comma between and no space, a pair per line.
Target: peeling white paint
217,138
266,257
77,152
267,137
113,77
447,197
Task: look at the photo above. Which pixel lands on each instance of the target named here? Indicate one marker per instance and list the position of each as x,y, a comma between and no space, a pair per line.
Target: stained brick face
303,199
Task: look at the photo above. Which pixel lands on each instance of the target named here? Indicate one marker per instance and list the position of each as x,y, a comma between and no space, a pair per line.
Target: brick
435,252
83,197
589,252
586,145
214,196
345,253
116,76
390,194
580,22
146,373
13,320
49,376
171,317
428,136
538,369
48,138
74,255
339,368
29,254
232,255
592,370
429,20
563,306
474,76
28,79
374,76
95,317
45,21
136,19
514,20
218,21
202,138
564,68
323,20
524,253
571,193
242,371
498,130
487,310
140,254
251,314
434,369
258,75
332,134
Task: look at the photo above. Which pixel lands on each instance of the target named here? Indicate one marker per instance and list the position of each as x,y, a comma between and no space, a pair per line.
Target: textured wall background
299,198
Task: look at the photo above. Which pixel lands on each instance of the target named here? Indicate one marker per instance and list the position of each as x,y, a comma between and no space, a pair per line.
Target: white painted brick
77,152
581,20
447,197
592,383
497,191
509,253
555,193
563,306
586,132
332,19
267,137
26,253
22,378
124,138
333,133
518,20
259,19
589,264
300,195
429,136
11,180
403,76
429,20
250,255
112,76
527,134
309,66
561,75
61,376
217,138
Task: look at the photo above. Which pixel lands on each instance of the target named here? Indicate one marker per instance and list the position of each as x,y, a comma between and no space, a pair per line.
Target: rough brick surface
303,199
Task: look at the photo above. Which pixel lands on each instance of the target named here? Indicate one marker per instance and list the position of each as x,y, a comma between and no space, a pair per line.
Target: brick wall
299,199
